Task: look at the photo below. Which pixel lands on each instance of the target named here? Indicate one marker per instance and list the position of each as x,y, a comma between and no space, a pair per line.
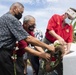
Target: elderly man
29,25
11,31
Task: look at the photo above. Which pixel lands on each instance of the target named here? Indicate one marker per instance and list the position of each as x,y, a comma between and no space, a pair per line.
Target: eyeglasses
31,24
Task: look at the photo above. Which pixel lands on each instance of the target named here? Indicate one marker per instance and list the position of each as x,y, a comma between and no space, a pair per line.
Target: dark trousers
59,69
20,65
7,65
35,63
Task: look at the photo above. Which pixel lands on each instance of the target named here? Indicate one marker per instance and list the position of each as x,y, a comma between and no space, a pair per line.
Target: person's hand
51,48
45,56
61,41
66,52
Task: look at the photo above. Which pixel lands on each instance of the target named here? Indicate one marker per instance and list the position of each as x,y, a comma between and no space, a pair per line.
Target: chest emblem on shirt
58,23
67,30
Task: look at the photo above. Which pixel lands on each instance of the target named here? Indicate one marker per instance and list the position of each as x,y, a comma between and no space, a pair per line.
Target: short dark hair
17,3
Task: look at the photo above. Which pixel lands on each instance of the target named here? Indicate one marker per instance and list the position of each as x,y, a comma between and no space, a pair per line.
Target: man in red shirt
29,26
59,28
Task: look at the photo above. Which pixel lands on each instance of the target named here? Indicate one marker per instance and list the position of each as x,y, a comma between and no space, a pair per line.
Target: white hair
27,18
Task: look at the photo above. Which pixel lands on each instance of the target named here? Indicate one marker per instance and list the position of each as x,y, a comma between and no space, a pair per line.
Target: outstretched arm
40,54
36,42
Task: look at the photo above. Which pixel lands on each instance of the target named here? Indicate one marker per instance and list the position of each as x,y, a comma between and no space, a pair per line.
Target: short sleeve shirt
55,23
23,44
11,30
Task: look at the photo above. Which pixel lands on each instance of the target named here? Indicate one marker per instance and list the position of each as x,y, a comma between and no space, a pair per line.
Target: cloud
45,13
30,1
3,9
1,6
42,10
52,0
21,1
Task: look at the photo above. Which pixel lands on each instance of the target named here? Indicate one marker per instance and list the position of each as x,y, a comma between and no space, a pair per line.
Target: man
59,28
11,31
29,25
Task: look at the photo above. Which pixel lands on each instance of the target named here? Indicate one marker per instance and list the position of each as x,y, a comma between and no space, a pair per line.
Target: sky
42,10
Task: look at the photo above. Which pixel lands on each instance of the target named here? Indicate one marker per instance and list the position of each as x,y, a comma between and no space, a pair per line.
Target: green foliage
74,30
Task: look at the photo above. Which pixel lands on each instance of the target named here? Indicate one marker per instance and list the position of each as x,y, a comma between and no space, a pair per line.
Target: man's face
68,19
18,12
30,25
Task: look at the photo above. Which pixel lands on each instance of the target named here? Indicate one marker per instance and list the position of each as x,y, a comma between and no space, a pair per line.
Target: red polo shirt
55,23
67,33
21,45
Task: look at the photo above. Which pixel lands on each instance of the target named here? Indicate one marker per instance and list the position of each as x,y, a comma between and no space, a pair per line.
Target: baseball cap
71,12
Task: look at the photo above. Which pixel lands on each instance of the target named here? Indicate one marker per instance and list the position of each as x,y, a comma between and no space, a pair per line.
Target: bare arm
39,49
61,40
40,54
68,48
36,42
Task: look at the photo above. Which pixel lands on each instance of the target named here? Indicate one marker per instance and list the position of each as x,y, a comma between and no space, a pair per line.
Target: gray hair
27,18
